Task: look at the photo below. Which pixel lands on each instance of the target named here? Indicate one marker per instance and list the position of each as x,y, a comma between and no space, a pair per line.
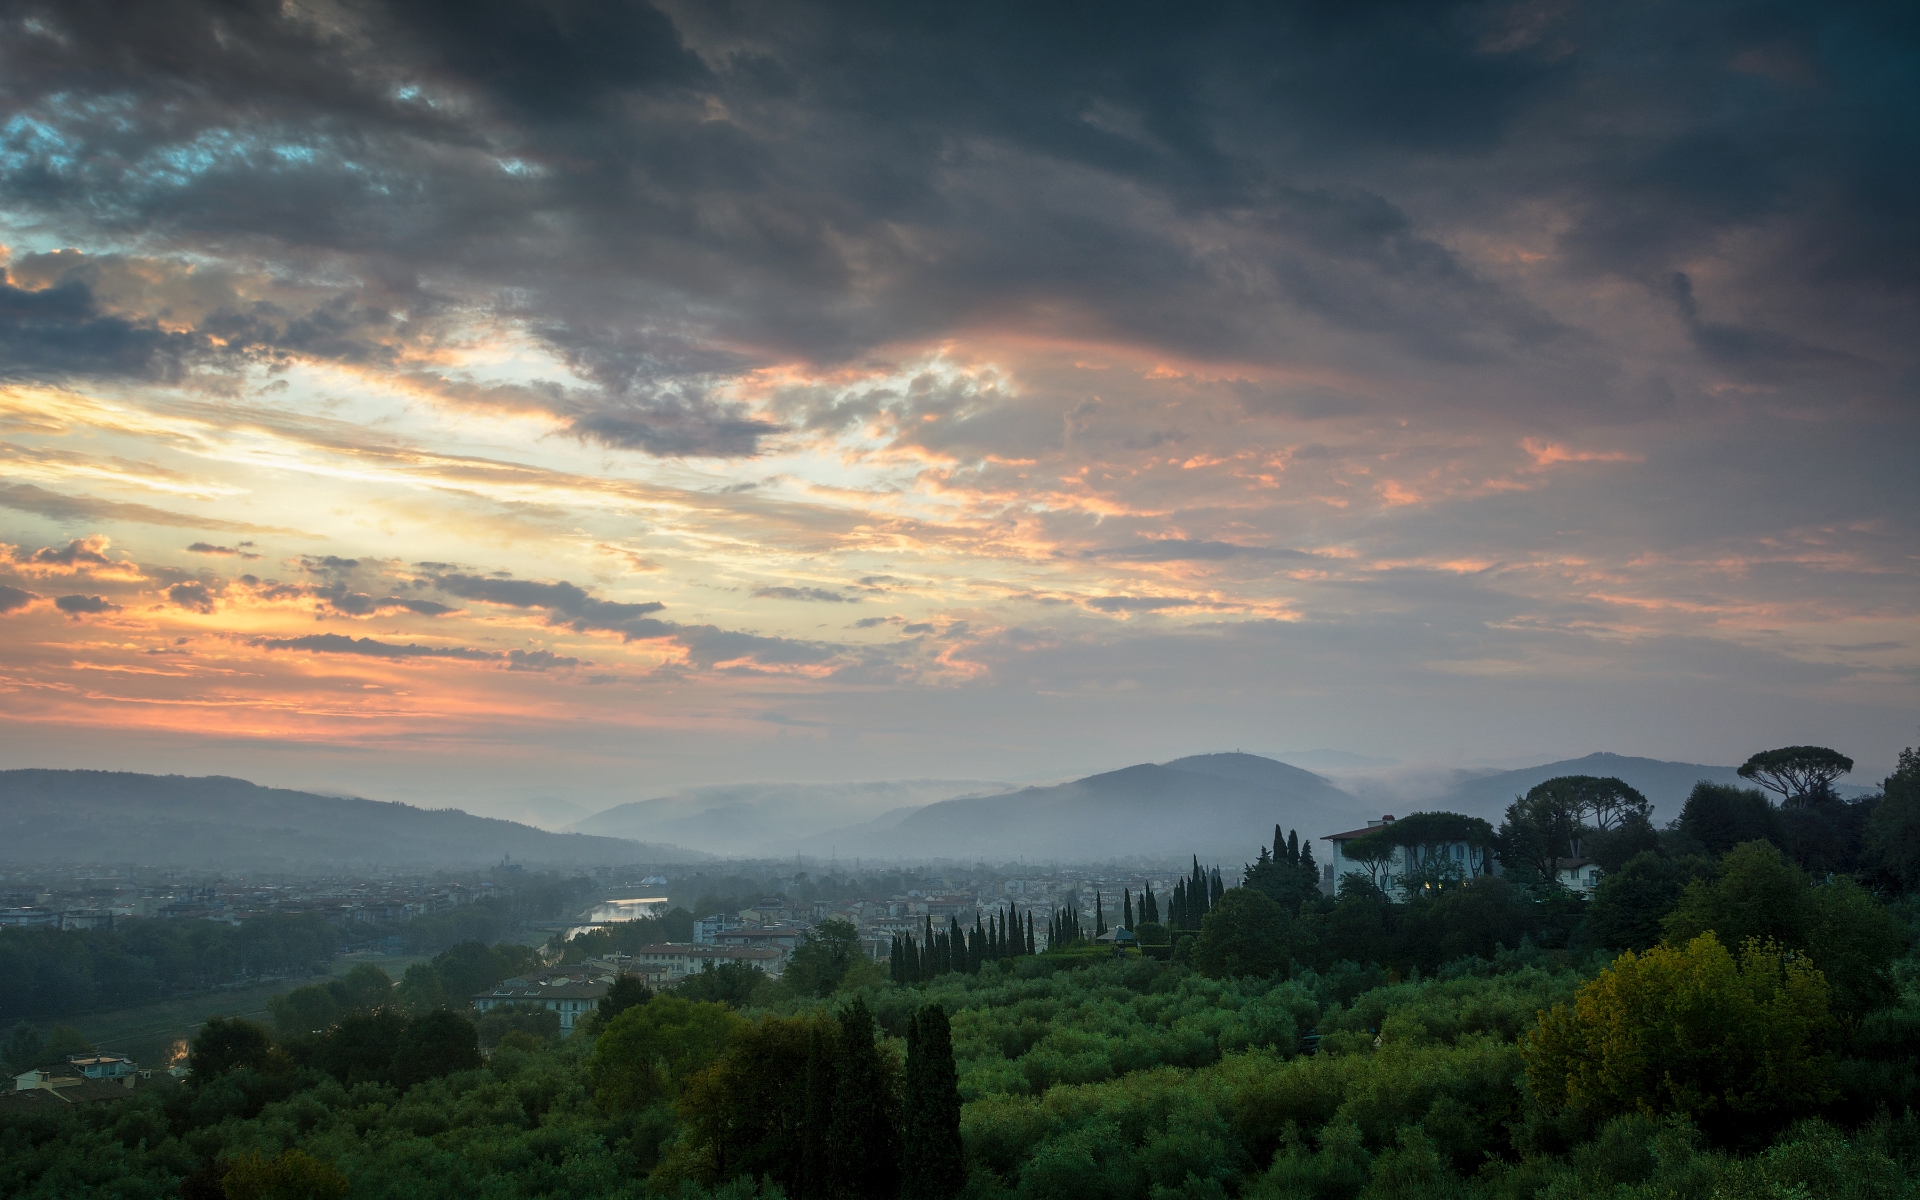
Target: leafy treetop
1796,773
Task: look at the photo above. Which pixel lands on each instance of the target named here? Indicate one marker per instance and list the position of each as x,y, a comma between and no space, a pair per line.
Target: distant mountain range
221,823
773,820
1220,806
1664,783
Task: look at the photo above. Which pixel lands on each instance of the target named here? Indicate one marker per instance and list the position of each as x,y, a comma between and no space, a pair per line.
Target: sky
461,401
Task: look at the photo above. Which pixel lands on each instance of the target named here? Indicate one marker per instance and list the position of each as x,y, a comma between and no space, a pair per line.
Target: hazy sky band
403,397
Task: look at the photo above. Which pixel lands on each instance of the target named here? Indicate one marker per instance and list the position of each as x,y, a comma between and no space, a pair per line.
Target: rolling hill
1664,783
1222,807
771,819
213,821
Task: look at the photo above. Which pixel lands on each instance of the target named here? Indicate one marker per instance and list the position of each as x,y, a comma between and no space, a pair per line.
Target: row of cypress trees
1194,897
957,948
1287,874
853,1142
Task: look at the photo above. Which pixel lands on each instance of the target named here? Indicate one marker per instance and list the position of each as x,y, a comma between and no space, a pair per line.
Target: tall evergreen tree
1032,946
1099,916
1279,845
1217,889
1149,907
1309,869
863,1142
931,1164
1126,908
822,1084
1293,847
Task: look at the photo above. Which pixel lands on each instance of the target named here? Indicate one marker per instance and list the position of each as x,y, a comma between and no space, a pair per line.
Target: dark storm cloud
563,603
76,606
82,552
573,607
13,599
648,183
334,643
57,332
197,597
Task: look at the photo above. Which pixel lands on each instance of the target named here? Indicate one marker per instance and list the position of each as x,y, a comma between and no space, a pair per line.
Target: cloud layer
752,390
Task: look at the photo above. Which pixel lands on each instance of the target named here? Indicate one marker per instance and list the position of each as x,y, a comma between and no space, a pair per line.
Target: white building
1464,858
571,998
686,958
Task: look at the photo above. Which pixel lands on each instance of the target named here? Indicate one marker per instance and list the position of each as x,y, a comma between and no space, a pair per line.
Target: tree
1630,905
822,1086
362,1046
1614,848
289,1175
21,1049
863,1141
932,1166
1797,774
1734,1046
1374,854
747,1113
435,1044
1720,817
365,987
645,1053
1755,893
1245,935
419,990
1855,941
732,983
1893,831
533,1021
1427,840
625,992
227,1044
824,955
303,1010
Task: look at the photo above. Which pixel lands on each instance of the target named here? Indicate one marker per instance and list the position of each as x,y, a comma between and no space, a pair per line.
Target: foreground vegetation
1752,1031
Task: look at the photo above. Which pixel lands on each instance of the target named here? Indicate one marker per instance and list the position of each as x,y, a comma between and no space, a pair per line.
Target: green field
147,1034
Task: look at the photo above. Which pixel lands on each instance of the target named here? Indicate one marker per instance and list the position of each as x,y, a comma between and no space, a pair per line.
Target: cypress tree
1126,912
1293,847
822,1082
1150,906
1099,917
893,960
1309,869
863,1143
931,1164
1279,844
1032,947
1217,890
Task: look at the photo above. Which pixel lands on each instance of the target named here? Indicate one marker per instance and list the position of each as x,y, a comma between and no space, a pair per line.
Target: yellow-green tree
644,1053
1734,1045
290,1175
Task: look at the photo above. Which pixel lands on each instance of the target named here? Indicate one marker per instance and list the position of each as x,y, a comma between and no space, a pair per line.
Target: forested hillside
230,824
1716,1022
